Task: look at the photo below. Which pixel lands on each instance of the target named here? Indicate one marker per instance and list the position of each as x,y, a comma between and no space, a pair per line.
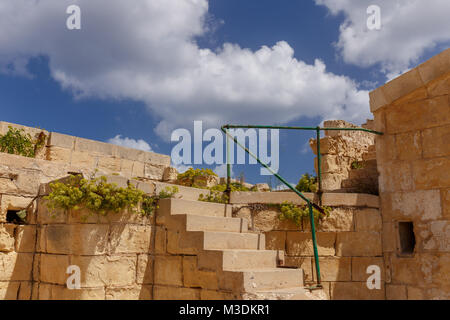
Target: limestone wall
85,154
348,241
342,149
413,159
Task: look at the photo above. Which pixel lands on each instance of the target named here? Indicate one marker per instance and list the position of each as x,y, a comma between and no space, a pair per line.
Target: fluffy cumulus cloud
145,50
408,29
130,143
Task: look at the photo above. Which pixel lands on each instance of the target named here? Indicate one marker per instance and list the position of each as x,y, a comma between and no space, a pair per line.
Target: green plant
16,141
307,183
296,213
168,192
214,196
357,165
187,178
99,196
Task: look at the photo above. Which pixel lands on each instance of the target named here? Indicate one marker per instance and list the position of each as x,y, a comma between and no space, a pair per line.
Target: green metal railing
310,204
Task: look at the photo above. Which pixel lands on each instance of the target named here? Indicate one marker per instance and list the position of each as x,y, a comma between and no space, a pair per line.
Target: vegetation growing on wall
99,196
307,183
297,214
16,141
217,193
187,178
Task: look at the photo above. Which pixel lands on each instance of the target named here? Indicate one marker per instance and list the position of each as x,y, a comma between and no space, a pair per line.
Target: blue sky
141,72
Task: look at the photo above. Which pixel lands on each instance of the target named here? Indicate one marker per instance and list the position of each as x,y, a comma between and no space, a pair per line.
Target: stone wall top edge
411,80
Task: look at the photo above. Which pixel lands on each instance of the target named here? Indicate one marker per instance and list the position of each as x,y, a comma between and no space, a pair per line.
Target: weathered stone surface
409,145
340,219
77,239
112,271
396,176
109,163
61,140
9,202
144,273
262,187
52,268
436,237
439,87
129,239
175,293
300,243
15,266
435,67
192,277
335,268
436,142
57,292
368,220
305,263
422,204
445,200
25,238
362,243
360,264
7,237
129,293
170,174
395,292
83,159
432,173
152,172
275,240
355,291
59,154
168,270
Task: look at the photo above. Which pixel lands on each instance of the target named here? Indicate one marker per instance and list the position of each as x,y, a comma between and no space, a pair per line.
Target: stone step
261,279
239,260
190,222
168,207
197,241
294,293
371,155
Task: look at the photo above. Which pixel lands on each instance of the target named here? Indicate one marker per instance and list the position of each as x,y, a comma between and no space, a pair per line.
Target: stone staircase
229,259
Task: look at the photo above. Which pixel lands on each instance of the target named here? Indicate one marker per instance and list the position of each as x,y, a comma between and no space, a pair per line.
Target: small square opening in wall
407,239
13,216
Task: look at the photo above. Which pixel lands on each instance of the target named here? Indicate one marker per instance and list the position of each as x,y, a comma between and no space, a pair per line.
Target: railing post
228,189
319,169
316,253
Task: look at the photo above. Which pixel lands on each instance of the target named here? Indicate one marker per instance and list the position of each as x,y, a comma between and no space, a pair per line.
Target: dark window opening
407,238
12,216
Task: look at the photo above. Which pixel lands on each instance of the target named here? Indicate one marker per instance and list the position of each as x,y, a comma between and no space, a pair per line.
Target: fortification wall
349,240
413,159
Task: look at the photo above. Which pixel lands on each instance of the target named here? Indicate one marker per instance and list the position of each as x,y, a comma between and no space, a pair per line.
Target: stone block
7,237
435,67
275,240
355,291
157,159
60,140
396,176
368,220
129,293
300,243
138,170
378,99
111,271
129,239
153,172
16,266
334,269
350,200
83,159
389,237
216,295
52,268
403,85
109,163
94,147
130,154
361,244
9,202
9,290
305,263
340,219
170,174
144,273
57,292
386,148
360,265
409,145
168,270
175,293
432,173
59,154
445,203
418,115
436,237
82,239
436,142
440,86
193,277
25,238
395,292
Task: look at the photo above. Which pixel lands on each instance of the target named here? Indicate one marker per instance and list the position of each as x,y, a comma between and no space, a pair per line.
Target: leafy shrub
187,178
16,141
307,183
214,196
97,195
296,214
355,165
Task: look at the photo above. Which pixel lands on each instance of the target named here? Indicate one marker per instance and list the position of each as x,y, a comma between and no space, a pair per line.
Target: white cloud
145,50
130,143
408,29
